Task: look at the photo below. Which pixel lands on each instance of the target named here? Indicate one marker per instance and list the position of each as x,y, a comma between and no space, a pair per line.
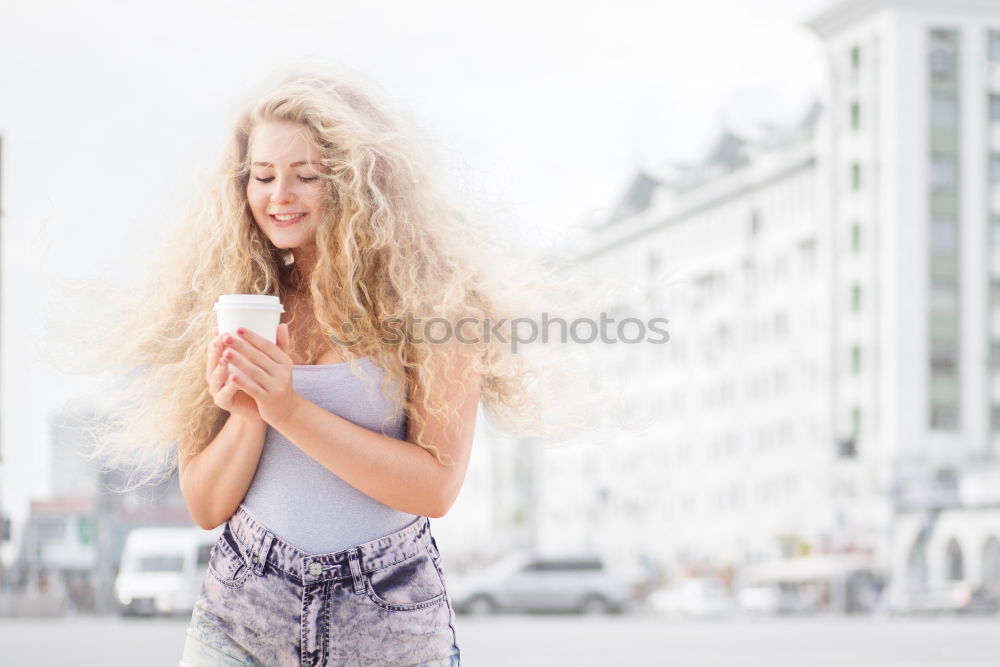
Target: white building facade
831,387
914,156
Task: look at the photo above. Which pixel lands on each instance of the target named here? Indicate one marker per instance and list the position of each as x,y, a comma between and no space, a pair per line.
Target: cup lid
249,301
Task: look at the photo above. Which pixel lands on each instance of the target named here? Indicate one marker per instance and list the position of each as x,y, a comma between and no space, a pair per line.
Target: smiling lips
286,219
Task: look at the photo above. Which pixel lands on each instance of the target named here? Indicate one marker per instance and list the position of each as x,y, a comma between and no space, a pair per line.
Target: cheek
257,203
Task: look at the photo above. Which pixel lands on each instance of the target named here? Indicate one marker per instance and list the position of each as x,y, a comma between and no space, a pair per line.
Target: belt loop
261,550
353,558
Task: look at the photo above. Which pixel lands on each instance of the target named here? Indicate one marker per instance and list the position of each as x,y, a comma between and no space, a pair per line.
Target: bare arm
215,481
393,472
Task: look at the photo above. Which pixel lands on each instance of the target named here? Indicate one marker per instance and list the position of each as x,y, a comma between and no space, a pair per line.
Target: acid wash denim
264,602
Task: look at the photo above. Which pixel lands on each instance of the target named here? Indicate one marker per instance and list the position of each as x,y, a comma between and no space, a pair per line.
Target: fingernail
240,331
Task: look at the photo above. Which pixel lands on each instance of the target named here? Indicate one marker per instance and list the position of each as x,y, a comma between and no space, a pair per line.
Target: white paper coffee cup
260,313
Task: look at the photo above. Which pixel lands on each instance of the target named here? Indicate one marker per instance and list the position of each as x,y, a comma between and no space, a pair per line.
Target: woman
324,486
267,597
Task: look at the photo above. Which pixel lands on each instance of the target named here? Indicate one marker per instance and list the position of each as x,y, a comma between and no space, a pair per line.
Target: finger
215,350
224,398
247,385
250,352
283,337
237,361
250,375
273,353
219,375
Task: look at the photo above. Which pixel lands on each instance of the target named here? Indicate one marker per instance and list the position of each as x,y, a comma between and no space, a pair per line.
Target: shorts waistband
259,547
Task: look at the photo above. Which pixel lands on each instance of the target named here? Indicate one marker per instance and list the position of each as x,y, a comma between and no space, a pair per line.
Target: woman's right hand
225,393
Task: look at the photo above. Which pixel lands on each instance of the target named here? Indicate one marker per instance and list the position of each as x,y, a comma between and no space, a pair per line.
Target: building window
995,46
944,111
943,54
654,261
944,234
995,168
856,359
944,298
944,417
995,356
995,108
944,359
855,176
944,388
856,238
755,222
995,294
855,59
856,298
944,326
855,116
995,231
807,254
847,447
855,421
995,418
944,171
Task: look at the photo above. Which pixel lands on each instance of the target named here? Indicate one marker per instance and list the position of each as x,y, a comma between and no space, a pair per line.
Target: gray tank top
302,502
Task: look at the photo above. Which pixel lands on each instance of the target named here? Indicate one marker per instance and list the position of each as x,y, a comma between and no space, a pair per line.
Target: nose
282,192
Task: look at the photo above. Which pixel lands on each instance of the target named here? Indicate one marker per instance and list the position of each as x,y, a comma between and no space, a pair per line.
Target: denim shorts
264,602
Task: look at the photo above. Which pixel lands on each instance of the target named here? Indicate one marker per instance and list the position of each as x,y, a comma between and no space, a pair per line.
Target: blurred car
760,600
985,599
162,569
958,597
698,597
527,582
946,599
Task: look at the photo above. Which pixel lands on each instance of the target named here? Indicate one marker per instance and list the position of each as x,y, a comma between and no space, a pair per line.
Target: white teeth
284,218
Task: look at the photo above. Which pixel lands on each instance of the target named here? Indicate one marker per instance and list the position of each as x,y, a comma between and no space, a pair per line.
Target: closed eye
304,179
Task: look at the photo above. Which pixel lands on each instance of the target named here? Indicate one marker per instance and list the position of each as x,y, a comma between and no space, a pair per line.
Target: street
571,640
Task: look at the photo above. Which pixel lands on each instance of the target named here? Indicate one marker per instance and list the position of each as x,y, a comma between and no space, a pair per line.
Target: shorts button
315,568
255,560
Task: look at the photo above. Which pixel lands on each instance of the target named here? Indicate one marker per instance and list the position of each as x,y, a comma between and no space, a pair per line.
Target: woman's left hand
268,370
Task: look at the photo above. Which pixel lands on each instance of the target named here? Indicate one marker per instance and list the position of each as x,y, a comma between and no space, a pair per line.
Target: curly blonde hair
394,242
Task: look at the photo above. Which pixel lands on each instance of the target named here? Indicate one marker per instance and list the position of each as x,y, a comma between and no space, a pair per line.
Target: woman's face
285,190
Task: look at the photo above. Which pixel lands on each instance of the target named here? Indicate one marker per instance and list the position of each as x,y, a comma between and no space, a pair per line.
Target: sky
540,113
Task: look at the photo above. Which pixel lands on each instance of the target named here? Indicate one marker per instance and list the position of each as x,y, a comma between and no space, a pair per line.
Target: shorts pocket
413,583
226,563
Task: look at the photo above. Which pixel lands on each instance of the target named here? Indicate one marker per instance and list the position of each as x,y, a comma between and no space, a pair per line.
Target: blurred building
739,466
830,393
914,164
72,541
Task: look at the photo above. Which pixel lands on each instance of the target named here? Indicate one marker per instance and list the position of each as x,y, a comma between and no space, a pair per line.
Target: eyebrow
294,164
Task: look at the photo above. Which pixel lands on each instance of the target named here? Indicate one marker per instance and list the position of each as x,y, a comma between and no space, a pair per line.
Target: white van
162,569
